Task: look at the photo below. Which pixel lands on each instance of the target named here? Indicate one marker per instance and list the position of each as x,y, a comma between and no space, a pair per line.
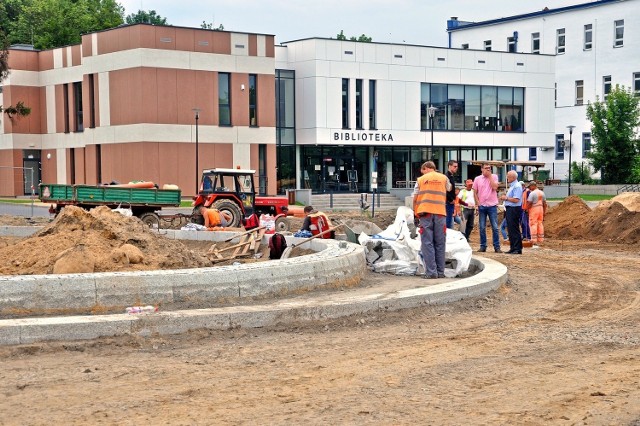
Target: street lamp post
197,114
432,113
570,147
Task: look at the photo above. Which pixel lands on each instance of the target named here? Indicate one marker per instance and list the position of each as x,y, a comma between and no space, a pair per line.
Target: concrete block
47,292
180,322
372,256
280,278
9,333
206,285
75,328
256,317
122,289
387,254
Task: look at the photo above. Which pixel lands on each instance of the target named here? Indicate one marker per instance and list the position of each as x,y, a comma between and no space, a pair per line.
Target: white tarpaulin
394,251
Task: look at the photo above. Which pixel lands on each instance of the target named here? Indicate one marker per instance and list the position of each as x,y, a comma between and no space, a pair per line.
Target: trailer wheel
282,224
232,208
152,220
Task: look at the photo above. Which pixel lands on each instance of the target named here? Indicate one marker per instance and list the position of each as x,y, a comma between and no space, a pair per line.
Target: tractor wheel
151,219
232,208
282,224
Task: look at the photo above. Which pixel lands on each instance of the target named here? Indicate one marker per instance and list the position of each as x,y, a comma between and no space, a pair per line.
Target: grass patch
18,200
587,197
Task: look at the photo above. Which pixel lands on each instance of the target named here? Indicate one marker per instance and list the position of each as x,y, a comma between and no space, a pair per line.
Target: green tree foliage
614,123
209,26
19,109
581,173
53,23
363,38
146,17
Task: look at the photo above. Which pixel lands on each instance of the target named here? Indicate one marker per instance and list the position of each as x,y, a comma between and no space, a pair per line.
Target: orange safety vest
432,194
319,223
525,195
214,218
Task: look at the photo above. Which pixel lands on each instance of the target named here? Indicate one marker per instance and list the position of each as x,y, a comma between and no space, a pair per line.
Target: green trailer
144,202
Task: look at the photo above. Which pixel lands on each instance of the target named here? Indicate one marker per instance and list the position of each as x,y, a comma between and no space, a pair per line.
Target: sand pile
99,240
616,220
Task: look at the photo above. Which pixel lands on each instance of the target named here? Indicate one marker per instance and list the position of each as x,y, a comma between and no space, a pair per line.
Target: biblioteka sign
362,137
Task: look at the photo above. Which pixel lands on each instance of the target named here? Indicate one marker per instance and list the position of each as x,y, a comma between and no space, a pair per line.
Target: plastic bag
269,222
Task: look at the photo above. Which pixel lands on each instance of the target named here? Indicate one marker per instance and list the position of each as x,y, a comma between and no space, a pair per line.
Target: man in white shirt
468,203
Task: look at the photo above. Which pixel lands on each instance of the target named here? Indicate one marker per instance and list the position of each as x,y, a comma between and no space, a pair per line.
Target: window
533,153
511,44
465,45
559,147
224,98
579,92
586,144
636,83
606,86
535,43
253,100
345,103
359,104
618,33
372,105
455,104
487,45
92,103
588,37
560,40
425,103
77,107
65,99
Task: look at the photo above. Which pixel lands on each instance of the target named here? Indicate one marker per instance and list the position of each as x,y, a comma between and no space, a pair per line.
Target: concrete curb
336,305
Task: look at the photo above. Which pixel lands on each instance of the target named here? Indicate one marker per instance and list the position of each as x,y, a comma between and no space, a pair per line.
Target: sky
421,22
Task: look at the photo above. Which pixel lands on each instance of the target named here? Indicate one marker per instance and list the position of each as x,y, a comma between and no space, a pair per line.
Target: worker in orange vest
537,207
429,206
214,218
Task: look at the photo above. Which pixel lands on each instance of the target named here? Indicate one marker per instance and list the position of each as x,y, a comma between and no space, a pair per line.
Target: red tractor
233,191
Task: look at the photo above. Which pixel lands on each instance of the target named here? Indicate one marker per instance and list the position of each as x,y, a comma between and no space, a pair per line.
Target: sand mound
610,221
100,233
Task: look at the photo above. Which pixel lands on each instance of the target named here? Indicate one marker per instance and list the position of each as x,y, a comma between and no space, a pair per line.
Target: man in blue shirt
513,211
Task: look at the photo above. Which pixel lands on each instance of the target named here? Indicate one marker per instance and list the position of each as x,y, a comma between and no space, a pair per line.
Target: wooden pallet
248,245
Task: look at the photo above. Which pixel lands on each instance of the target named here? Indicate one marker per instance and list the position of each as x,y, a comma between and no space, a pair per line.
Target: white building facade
364,107
597,46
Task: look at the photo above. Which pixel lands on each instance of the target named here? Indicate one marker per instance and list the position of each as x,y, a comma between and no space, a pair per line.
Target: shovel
287,252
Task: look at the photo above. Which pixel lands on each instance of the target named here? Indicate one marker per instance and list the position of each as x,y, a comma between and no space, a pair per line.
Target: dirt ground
558,344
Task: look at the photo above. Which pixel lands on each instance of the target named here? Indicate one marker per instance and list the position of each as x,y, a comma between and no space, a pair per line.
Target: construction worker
524,219
537,206
513,211
214,218
429,206
485,188
316,222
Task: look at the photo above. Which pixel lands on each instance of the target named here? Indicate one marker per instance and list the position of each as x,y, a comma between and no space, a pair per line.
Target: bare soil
558,344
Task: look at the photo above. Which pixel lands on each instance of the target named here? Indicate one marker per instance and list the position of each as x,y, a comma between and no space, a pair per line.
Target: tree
209,26
614,125
19,109
581,173
53,23
363,38
146,17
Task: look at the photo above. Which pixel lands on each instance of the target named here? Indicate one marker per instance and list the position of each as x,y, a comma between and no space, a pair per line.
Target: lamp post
197,114
432,113
570,146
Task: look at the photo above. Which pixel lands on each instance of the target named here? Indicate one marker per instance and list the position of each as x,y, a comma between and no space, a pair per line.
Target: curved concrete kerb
335,264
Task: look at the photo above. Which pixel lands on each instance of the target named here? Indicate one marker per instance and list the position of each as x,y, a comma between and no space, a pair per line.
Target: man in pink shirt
485,191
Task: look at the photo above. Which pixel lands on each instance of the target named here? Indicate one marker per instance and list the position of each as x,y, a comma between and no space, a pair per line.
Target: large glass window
285,132
636,83
517,118
77,106
224,99
472,107
345,103
65,100
359,125
588,37
559,147
488,108
372,105
618,33
439,101
253,100
92,103
560,41
533,153
579,92
535,43
456,107
425,103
